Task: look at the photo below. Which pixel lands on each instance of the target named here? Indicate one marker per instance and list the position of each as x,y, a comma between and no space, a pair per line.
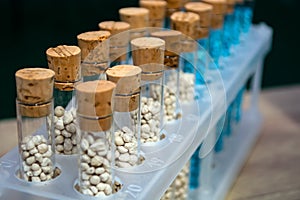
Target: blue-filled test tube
228,30
246,15
195,167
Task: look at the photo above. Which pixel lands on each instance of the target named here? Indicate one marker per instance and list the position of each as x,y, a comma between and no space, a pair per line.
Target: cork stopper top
204,10
65,62
137,17
134,11
219,6
34,85
156,9
114,27
198,7
185,22
147,43
172,39
92,36
127,78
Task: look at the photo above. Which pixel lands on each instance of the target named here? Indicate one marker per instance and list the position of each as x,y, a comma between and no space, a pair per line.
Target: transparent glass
152,106
246,15
188,63
65,126
172,85
96,156
94,70
195,170
35,141
127,130
119,48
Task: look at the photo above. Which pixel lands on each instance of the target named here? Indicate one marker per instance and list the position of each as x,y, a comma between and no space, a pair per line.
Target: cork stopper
203,33
148,54
219,6
157,12
65,62
119,39
174,4
136,17
172,40
204,10
94,99
34,91
217,21
185,22
229,8
239,1
94,47
128,80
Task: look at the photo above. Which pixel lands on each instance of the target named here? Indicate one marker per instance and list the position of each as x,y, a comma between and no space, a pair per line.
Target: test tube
157,11
148,54
172,39
96,141
65,61
126,113
187,23
34,106
94,47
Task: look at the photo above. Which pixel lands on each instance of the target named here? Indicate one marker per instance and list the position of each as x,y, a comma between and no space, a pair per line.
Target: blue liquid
228,130
236,26
195,167
188,62
220,142
202,60
215,45
227,34
237,107
246,19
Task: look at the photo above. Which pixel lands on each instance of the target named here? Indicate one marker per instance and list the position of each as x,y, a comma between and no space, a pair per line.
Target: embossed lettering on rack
133,190
155,162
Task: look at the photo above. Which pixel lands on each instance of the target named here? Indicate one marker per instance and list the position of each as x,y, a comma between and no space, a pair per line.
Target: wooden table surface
272,171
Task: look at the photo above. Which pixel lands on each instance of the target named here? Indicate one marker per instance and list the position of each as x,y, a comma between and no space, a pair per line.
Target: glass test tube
228,28
96,141
119,41
34,106
127,113
172,7
246,16
157,10
187,23
216,31
94,47
148,54
172,72
65,62
204,11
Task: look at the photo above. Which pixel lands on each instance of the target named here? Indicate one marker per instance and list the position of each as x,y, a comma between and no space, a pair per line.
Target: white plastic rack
164,160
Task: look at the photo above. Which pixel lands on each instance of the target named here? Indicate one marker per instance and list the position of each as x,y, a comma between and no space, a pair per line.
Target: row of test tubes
172,70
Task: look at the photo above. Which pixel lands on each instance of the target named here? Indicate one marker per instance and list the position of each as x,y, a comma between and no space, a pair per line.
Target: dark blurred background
29,27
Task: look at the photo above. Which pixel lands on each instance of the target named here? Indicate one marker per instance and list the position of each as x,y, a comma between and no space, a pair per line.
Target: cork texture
127,78
95,125
136,17
65,62
177,4
126,103
157,9
35,110
94,98
219,6
204,10
94,46
217,21
119,38
34,85
185,22
148,54
172,40
203,33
